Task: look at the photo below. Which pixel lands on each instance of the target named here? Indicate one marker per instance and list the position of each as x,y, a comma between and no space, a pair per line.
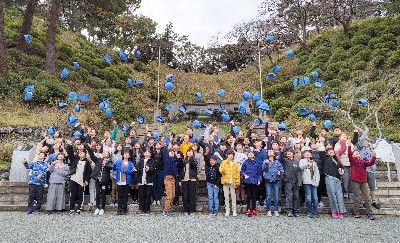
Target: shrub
394,59
362,39
361,65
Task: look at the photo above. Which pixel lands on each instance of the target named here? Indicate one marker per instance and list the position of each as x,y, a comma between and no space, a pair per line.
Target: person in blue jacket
124,178
260,155
272,171
251,174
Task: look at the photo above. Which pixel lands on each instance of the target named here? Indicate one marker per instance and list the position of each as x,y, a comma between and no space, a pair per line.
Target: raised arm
312,131
364,136
114,132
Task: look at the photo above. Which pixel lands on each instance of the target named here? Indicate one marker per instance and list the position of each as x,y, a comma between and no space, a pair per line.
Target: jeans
158,184
311,199
272,186
347,179
213,200
335,194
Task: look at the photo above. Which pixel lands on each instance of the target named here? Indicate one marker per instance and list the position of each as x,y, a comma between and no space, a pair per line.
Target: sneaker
370,217
262,203
101,212
269,214
297,215
46,185
96,212
289,214
211,214
227,214
48,212
375,205
340,215
321,205
335,215
346,195
234,214
351,195
135,202
248,213
37,210
78,212
158,202
71,212
310,216
167,214
254,212
276,214
29,211
316,216
257,203
154,203
238,203
357,216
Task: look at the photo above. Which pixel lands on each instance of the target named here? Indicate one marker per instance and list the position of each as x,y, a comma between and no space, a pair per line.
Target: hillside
362,64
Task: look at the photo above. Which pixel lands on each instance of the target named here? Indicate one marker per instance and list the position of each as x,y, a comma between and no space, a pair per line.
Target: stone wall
22,135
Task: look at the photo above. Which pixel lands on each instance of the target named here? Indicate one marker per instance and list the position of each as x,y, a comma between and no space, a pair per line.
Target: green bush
379,57
282,114
394,59
362,39
361,65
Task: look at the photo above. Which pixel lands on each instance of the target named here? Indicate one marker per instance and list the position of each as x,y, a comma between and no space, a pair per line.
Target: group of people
240,169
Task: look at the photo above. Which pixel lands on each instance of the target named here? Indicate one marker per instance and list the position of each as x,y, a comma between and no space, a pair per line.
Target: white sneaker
96,212
234,214
101,212
154,203
227,214
158,202
269,214
321,205
276,213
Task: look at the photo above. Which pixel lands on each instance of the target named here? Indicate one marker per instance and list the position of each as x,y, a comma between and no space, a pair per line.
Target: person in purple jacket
251,174
272,170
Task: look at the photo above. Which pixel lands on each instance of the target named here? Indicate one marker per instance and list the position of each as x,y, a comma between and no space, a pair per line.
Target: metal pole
158,83
259,67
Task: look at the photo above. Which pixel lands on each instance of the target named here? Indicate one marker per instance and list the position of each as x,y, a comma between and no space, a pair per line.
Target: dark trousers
123,191
251,192
35,193
177,192
261,192
292,197
321,190
101,192
189,196
158,185
76,192
145,192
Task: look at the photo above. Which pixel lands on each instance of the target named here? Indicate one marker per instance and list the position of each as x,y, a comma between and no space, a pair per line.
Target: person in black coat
145,172
187,180
158,174
135,157
101,175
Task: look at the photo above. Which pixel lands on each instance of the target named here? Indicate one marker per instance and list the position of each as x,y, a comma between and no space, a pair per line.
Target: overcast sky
200,19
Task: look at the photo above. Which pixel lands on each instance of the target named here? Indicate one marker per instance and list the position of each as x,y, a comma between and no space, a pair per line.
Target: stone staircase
154,127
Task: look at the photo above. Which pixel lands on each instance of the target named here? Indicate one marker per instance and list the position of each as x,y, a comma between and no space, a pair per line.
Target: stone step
387,193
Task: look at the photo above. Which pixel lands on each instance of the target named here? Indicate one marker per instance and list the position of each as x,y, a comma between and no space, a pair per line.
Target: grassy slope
363,59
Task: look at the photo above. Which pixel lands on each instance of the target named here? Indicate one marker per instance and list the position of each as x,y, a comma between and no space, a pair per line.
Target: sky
200,19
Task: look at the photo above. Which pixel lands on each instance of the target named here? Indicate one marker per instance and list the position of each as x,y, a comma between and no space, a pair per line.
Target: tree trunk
346,28
27,23
52,21
3,52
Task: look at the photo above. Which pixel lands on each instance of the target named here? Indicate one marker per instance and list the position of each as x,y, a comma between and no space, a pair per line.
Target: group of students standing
239,169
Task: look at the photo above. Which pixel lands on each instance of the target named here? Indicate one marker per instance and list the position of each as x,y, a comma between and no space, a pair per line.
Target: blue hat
257,122
182,108
334,104
169,85
137,54
271,76
290,53
84,98
305,81
209,111
282,126
312,117
122,56
327,98
318,83
303,111
169,78
64,73
138,82
168,107
242,107
225,117
76,65
276,69
362,102
77,134
129,82
29,88
77,108
107,58
28,39
72,120
235,130
247,96
327,124
28,92
269,38
259,102
221,108
104,104
159,119
156,136
220,93
62,105
256,96
296,82
140,119
196,124
198,96
72,96
124,128
314,74
264,106
51,130
109,112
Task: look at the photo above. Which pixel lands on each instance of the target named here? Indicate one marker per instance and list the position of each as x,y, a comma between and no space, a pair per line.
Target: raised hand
115,123
267,119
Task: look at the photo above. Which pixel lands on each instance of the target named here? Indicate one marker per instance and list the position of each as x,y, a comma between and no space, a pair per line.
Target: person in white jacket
311,179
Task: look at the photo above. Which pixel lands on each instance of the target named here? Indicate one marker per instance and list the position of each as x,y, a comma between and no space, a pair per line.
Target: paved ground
19,227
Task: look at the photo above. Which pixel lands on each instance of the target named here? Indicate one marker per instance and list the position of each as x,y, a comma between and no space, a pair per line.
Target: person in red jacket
359,181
